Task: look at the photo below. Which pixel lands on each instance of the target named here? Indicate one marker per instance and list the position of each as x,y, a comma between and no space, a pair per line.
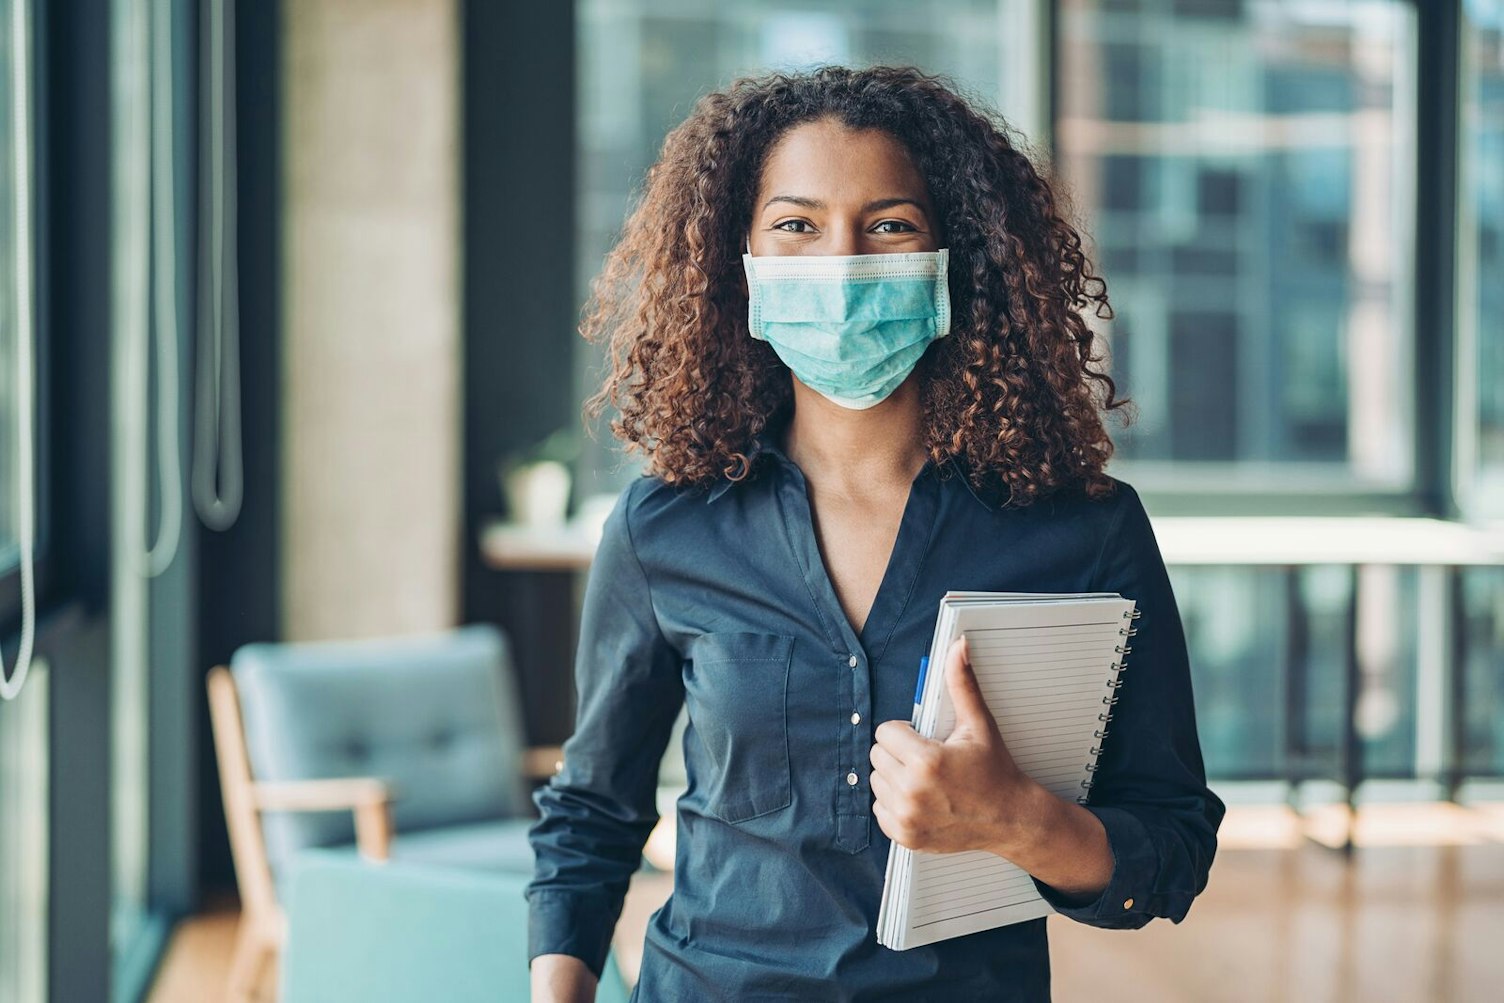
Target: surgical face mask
851,327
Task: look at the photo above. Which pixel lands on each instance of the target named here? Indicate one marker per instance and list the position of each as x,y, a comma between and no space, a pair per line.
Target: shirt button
856,718
851,779
1127,903
851,661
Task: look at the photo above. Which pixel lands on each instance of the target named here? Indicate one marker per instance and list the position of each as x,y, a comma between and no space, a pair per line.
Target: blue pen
924,663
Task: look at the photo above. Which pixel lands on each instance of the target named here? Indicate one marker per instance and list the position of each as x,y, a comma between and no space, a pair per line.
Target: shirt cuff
567,923
1125,902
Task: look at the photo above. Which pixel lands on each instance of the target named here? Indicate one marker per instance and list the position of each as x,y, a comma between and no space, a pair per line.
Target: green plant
562,445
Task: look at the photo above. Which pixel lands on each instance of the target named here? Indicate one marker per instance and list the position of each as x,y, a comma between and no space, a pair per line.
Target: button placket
853,811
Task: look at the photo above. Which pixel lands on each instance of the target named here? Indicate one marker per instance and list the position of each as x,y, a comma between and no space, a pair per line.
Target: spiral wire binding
1109,701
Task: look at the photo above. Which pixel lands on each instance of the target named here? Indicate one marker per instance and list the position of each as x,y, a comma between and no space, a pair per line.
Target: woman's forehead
831,162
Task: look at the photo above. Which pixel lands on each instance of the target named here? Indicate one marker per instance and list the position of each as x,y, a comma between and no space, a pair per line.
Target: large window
1244,167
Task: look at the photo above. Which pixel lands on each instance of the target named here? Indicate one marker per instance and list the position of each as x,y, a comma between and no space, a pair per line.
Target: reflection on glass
1483,674
1250,631
24,818
1243,166
644,62
1233,620
1481,258
23,841
10,552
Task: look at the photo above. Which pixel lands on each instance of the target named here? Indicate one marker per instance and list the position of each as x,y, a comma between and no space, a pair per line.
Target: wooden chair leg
252,951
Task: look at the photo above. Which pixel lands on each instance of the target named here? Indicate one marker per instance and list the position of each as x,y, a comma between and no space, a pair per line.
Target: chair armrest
331,794
539,762
369,798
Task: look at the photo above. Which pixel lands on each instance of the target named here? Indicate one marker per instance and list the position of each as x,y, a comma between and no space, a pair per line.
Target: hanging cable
20,35
216,438
157,558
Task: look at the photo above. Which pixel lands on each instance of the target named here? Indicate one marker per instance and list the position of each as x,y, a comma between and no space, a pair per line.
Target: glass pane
1483,672
1481,312
1239,631
1234,619
1384,644
23,841
1243,167
10,554
1388,632
644,62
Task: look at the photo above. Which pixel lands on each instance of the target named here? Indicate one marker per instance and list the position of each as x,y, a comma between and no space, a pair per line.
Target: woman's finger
900,739
884,761
883,792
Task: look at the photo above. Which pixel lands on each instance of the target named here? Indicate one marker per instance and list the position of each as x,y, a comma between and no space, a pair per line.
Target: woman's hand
964,793
561,978
967,793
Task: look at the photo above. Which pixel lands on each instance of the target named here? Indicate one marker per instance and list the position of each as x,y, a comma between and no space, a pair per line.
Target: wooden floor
1417,914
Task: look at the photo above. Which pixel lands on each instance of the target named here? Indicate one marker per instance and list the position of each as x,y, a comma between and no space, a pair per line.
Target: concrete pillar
371,373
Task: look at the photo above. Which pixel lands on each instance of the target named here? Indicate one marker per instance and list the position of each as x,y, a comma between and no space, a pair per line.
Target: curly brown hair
1014,391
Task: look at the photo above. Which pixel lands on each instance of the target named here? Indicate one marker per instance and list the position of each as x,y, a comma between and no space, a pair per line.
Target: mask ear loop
752,299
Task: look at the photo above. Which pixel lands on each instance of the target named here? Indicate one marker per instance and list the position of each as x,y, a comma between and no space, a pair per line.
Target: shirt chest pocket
737,692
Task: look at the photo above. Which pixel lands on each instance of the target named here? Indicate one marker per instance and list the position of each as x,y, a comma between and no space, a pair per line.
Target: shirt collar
765,445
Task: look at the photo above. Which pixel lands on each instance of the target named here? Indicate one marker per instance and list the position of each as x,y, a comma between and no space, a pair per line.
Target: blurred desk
506,546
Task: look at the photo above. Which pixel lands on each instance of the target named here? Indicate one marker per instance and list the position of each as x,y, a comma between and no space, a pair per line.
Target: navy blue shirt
720,599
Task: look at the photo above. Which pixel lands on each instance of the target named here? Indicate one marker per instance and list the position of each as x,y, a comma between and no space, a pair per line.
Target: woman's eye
790,225
894,226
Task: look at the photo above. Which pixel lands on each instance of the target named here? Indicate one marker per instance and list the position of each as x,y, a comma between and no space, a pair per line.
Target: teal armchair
405,749
401,932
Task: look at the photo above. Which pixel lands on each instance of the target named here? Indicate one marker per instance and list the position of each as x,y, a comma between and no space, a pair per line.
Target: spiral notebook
1049,666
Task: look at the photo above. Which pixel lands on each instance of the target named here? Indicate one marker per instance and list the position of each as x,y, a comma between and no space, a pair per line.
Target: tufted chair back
434,714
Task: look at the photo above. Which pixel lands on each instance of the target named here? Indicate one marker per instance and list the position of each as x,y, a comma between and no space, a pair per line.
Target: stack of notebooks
1049,666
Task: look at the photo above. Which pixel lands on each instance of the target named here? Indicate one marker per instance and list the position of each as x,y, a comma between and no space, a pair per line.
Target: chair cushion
435,714
499,845
407,931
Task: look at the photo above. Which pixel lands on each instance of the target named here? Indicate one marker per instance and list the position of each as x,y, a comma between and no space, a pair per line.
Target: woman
844,328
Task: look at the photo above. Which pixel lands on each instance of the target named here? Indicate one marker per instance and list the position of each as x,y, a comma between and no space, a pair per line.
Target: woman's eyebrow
876,205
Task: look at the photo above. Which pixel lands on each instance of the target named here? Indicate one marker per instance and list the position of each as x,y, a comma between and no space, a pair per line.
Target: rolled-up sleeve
1150,791
597,812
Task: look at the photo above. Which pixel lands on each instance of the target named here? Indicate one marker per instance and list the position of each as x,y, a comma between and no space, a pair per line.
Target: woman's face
829,189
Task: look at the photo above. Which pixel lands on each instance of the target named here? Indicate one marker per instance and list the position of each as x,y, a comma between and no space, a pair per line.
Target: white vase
538,493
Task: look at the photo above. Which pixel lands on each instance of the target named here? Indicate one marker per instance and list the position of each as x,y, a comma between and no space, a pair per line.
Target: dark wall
239,584
519,313
74,316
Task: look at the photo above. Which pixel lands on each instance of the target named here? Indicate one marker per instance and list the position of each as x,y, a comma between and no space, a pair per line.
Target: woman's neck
853,452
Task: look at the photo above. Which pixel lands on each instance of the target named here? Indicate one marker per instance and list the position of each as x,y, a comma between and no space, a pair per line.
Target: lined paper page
1044,665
